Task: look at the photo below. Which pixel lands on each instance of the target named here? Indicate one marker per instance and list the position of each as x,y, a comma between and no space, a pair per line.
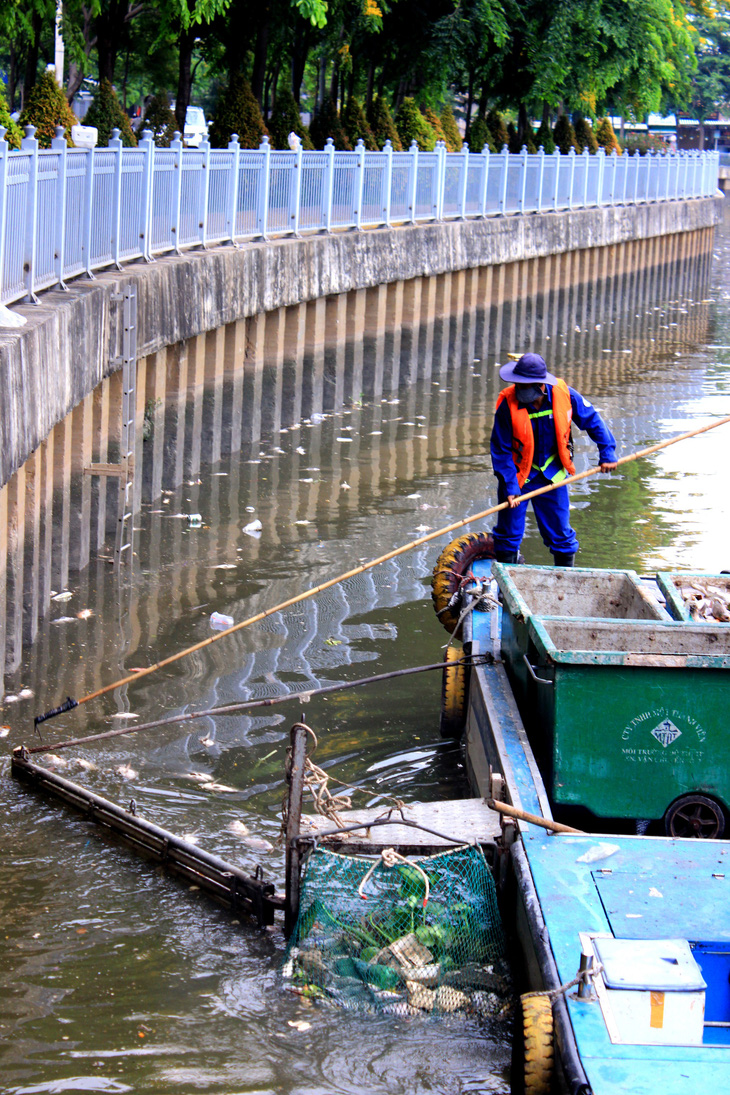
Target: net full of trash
418,936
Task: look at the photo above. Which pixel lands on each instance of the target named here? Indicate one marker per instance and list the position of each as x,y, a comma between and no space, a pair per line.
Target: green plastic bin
631,715
672,583
575,592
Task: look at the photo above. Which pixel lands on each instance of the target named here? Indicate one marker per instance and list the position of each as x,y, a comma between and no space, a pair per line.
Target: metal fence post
387,182
558,158
329,184
263,210
3,204
116,146
147,145
30,144
204,147
485,183
86,235
586,172
176,146
359,182
58,144
413,188
504,179
441,187
296,196
523,168
464,181
232,199
540,176
601,176
571,188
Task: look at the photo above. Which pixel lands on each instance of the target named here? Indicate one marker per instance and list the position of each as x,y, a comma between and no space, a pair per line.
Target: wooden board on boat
465,819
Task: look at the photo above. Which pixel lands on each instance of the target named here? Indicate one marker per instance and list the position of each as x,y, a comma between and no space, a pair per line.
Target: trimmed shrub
356,125
585,136
285,119
606,138
643,143
14,133
383,125
497,129
412,126
106,114
238,112
45,108
480,135
159,118
327,123
451,130
564,135
544,138
435,122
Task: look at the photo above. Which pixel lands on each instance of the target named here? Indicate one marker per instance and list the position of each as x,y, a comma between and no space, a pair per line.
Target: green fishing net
422,936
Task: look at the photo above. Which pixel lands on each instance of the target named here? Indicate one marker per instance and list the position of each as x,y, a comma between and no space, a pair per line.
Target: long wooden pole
533,819
376,562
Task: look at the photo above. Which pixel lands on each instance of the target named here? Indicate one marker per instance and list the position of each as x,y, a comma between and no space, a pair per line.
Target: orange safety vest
523,441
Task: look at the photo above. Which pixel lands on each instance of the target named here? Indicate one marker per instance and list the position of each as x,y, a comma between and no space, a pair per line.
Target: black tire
695,816
454,694
452,565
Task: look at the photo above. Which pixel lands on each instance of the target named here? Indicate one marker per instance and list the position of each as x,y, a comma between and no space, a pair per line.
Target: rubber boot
506,556
563,560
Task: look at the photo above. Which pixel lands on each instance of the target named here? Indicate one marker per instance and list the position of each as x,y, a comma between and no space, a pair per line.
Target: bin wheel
695,816
451,566
454,693
532,1047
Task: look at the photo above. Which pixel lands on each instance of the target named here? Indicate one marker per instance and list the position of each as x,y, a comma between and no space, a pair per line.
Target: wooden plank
464,819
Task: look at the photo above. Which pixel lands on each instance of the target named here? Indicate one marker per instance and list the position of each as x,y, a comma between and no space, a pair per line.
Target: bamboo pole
376,562
533,819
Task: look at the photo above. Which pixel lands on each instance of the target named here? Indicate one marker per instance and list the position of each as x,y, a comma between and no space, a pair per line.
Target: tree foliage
383,125
329,124
412,126
14,133
606,138
285,119
237,112
357,126
106,114
159,118
46,108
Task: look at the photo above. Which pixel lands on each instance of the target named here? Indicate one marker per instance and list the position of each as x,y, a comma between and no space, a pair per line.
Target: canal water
114,978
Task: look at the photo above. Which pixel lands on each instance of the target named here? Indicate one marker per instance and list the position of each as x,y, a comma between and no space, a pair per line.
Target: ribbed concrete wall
72,337
237,345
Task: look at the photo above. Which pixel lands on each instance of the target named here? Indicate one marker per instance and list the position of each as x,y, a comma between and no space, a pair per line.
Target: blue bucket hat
530,369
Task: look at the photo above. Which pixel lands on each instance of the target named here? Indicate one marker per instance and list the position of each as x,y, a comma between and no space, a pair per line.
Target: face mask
527,393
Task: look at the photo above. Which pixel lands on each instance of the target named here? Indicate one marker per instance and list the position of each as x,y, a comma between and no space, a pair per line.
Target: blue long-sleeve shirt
585,417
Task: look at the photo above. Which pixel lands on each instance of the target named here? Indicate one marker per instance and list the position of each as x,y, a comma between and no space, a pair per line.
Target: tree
383,125
412,126
159,118
46,108
285,119
237,112
106,114
327,123
710,92
451,130
606,138
584,135
14,133
356,125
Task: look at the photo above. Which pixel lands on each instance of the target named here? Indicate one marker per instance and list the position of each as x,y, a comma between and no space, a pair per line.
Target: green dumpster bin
681,588
575,592
633,715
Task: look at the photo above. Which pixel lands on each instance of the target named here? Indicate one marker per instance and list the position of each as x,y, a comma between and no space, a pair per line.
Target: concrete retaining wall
72,337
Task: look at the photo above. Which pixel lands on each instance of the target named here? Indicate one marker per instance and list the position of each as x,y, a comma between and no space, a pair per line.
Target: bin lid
659,965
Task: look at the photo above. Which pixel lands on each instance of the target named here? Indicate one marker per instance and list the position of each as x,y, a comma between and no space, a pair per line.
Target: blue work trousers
552,513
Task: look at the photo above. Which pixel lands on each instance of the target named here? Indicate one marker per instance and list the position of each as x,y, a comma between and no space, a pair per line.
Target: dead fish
126,771
84,765
719,610
207,742
11,698
238,828
65,596
125,715
54,761
221,788
64,620
200,777
4,731
257,844
25,694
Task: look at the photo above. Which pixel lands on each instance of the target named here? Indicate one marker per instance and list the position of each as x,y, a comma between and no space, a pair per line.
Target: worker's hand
513,500
606,466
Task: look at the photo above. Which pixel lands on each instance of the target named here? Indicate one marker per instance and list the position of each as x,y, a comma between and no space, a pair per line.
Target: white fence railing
65,212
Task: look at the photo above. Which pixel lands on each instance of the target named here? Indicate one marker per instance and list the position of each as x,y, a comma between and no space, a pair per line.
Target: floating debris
253,527
221,788
64,620
220,622
125,715
257,843
65,596
238,828
207,742
4,731
25,694
126,771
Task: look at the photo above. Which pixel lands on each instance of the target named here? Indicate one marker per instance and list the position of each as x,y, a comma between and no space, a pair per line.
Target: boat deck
465,820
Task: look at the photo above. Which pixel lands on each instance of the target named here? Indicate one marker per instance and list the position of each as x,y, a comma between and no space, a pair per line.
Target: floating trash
221,622
126,771
195,520
253,527
65,596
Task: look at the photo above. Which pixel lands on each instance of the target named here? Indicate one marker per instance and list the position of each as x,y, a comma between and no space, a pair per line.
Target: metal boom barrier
66,212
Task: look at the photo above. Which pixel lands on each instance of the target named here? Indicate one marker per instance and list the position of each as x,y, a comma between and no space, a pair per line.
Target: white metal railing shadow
65,212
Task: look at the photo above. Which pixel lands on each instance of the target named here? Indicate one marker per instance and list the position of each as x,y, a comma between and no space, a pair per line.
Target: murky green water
113,978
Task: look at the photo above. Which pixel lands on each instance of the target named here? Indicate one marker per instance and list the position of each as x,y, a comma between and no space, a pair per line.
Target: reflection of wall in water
251,384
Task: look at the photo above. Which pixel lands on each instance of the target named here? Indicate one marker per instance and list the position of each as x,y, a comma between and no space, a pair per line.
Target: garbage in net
419,936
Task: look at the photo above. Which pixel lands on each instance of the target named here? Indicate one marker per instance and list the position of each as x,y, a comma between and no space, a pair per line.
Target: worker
531,447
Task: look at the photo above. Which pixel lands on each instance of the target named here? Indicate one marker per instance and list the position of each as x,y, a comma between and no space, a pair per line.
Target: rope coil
390,858
582,977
